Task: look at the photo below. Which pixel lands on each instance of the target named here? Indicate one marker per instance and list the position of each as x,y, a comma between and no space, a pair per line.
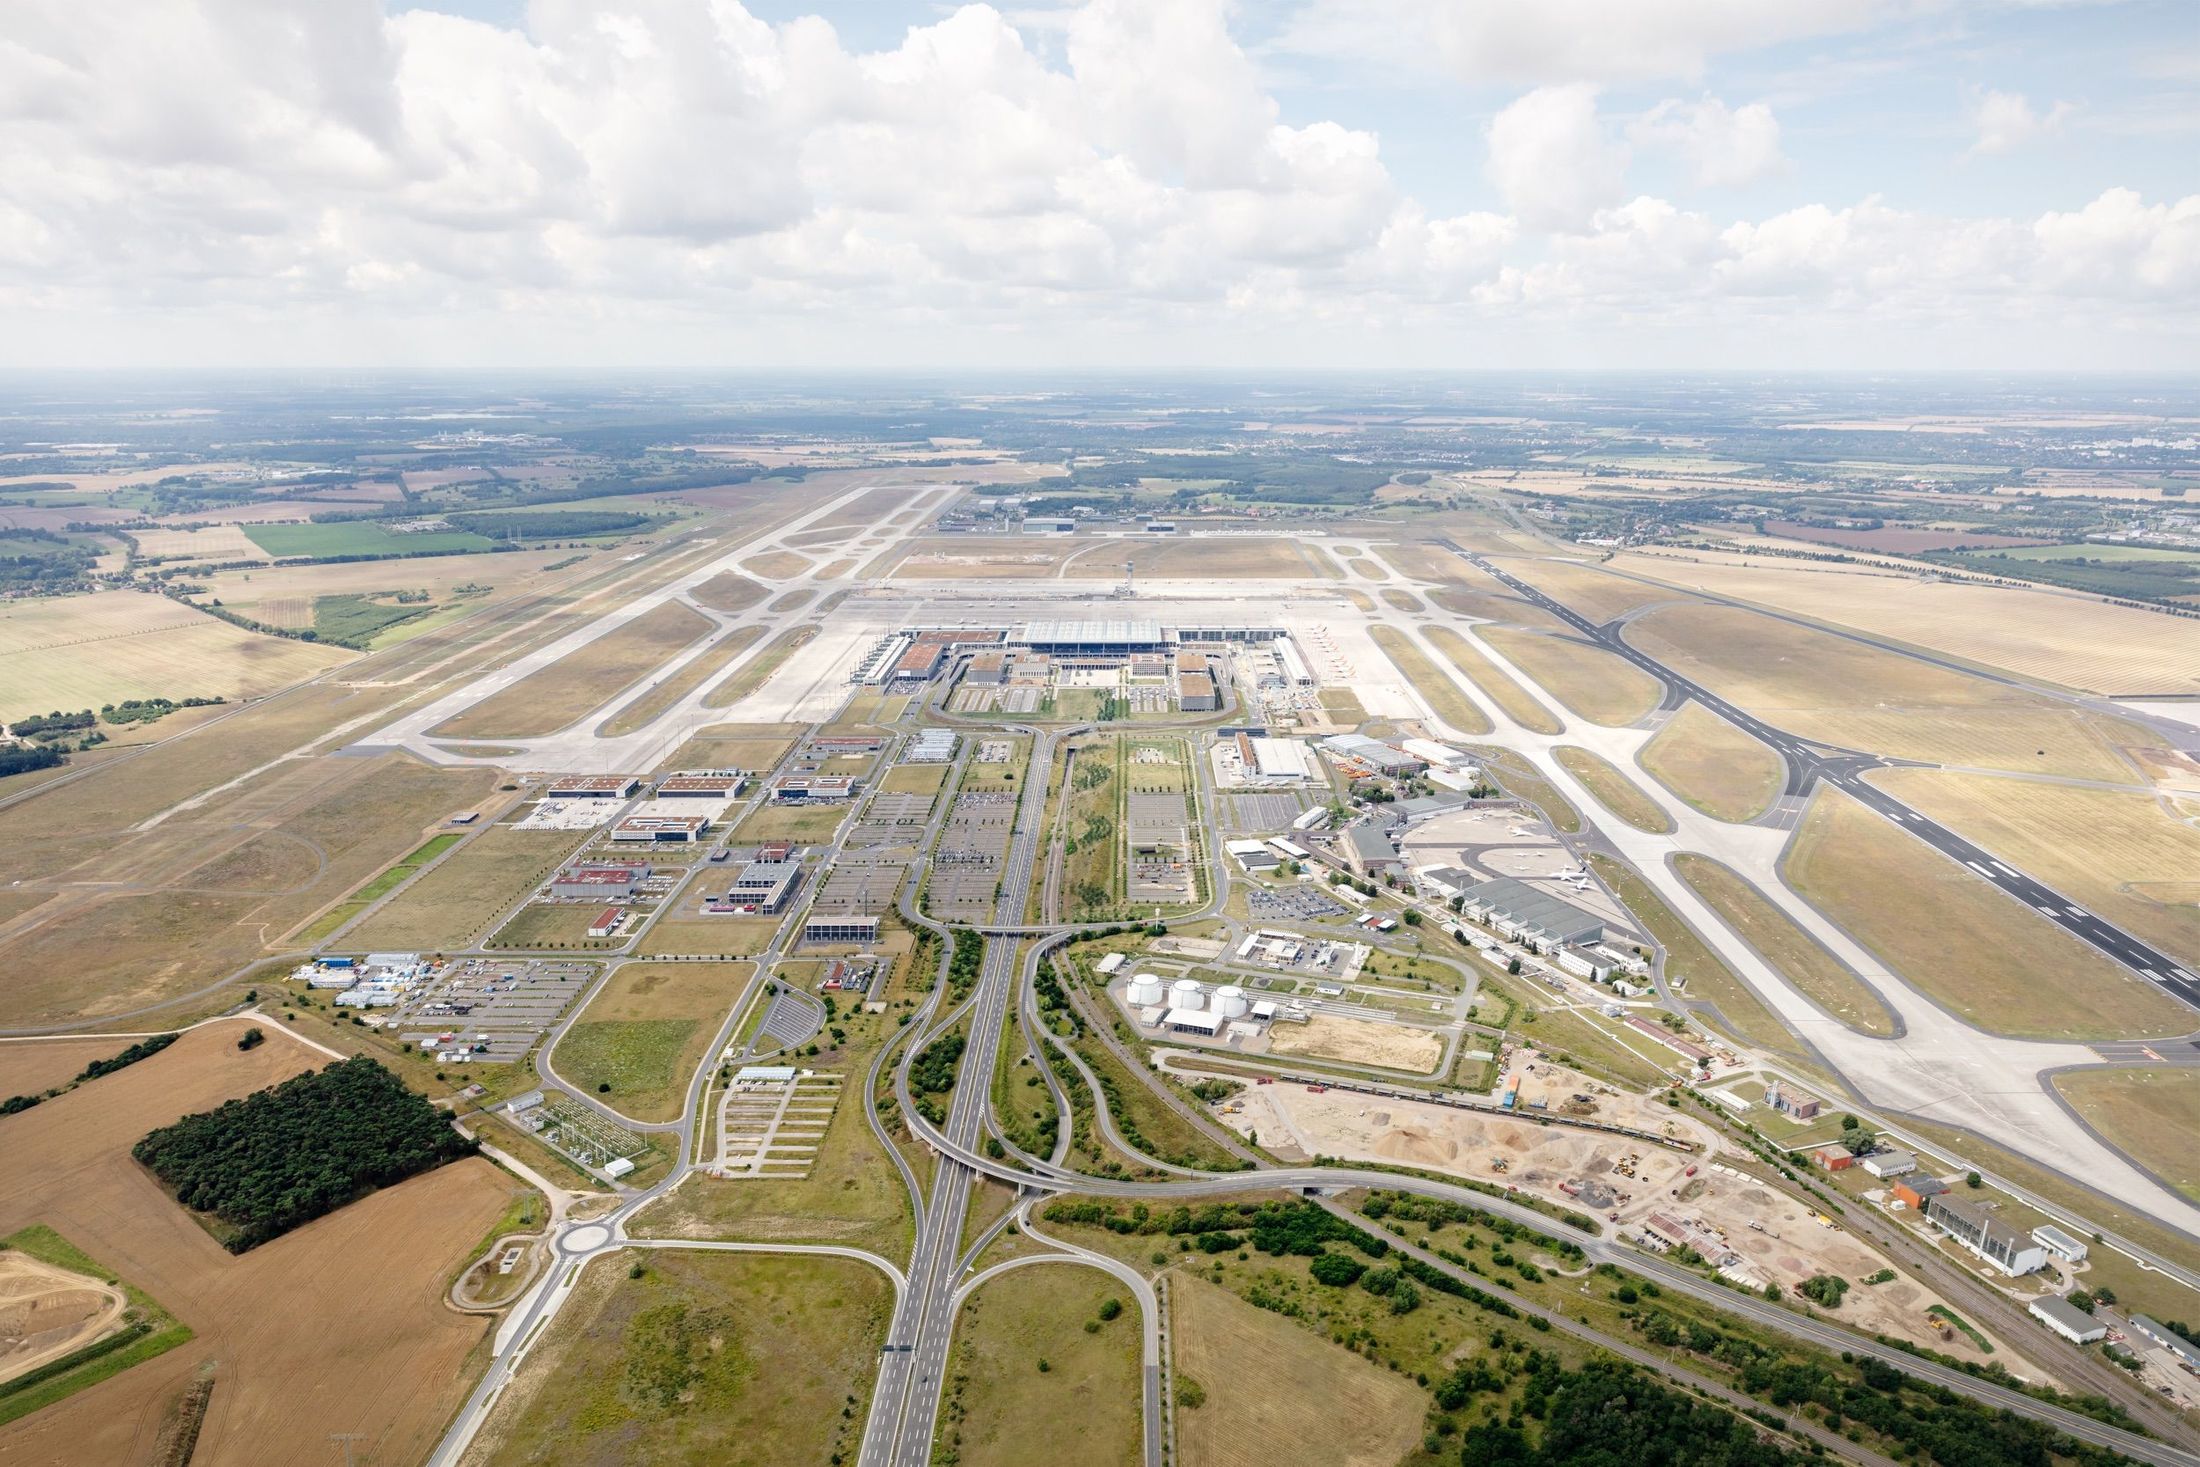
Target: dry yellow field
1497,685
1836,691
1962,941
1359,1042
1279,1395
1203,558
776,565
1597,594
1613,790
2064,638
1777,939
2119,854
214,542
1713,765
586,678
727,592
71,652
1599,685
978,557
2150,1114
1441,693
283,595
704,666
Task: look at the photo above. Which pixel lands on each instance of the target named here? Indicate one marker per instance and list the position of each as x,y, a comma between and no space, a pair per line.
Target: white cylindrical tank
1185,994
1145,990
1230,1001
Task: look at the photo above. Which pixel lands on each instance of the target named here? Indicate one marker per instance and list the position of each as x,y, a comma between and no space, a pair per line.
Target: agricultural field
358,537
1359,1042
1599,685
69,652
703,1357
1276,1393
645,1031
226,543
2072,640
1496,685
584,679
1083,1409
2150,1114
1818,973
700,669
395,1372
1713,765
1438,691
1962,941
288,596
1205,557
467,894
1842,693
2115,852
214,889
1613,790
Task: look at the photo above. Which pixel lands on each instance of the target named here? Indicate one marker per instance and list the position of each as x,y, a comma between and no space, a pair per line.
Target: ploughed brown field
339,1326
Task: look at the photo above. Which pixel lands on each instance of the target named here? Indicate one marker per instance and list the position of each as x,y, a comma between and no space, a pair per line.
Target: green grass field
359,537
1083,1408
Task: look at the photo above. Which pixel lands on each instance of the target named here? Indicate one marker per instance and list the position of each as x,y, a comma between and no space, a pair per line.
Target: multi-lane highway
1808,763
914,1367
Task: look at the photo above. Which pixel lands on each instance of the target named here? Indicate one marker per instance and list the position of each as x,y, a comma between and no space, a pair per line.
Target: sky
1758,185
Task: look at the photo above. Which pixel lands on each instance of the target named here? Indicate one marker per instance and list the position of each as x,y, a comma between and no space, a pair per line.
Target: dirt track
45,1312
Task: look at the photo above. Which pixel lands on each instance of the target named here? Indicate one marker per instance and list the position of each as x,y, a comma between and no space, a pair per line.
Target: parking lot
493,1008
1307,903
1268,812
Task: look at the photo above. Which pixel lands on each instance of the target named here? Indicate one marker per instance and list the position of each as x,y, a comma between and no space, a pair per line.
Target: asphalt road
1845,769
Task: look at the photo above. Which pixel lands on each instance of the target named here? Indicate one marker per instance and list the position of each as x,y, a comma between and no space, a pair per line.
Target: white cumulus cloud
2006,121
1724,147
1552,159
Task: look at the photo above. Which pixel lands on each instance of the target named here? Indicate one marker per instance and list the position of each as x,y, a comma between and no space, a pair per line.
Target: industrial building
931,746
1296,673
1916,1189
1832,1157
1438,755
594,787
1195,693
2158,1333
1253,855
1369,850
841,927
1276,759
1885,1164
1985,1235
2067,1319
702,784
1372,753
607,922
1795,1107
813,789
2059,1243
1520,911
765,885
662,829
597,883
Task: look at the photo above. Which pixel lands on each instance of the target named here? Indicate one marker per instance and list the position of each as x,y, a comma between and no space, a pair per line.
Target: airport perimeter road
1845,769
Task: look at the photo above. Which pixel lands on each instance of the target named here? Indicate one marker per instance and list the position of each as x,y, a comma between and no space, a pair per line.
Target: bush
1110,1308
1190,1394
1336,1270
252,1038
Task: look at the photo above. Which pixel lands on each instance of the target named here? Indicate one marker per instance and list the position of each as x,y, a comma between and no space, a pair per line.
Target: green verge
149,1330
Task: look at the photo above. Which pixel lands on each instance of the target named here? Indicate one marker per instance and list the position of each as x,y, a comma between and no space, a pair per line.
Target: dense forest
281,1157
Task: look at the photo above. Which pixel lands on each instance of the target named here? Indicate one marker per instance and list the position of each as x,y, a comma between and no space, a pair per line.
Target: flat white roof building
1193,1021
2067,1319
1282,759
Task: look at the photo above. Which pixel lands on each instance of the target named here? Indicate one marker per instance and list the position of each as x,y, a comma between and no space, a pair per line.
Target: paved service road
1808,763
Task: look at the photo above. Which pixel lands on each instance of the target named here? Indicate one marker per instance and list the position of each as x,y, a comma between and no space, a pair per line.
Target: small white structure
2067,1319
2059,1243
1442,755
1187,996
1192,1021
1109,964
1145,991
617,1167
1230,1002
1892,1164
1313,819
